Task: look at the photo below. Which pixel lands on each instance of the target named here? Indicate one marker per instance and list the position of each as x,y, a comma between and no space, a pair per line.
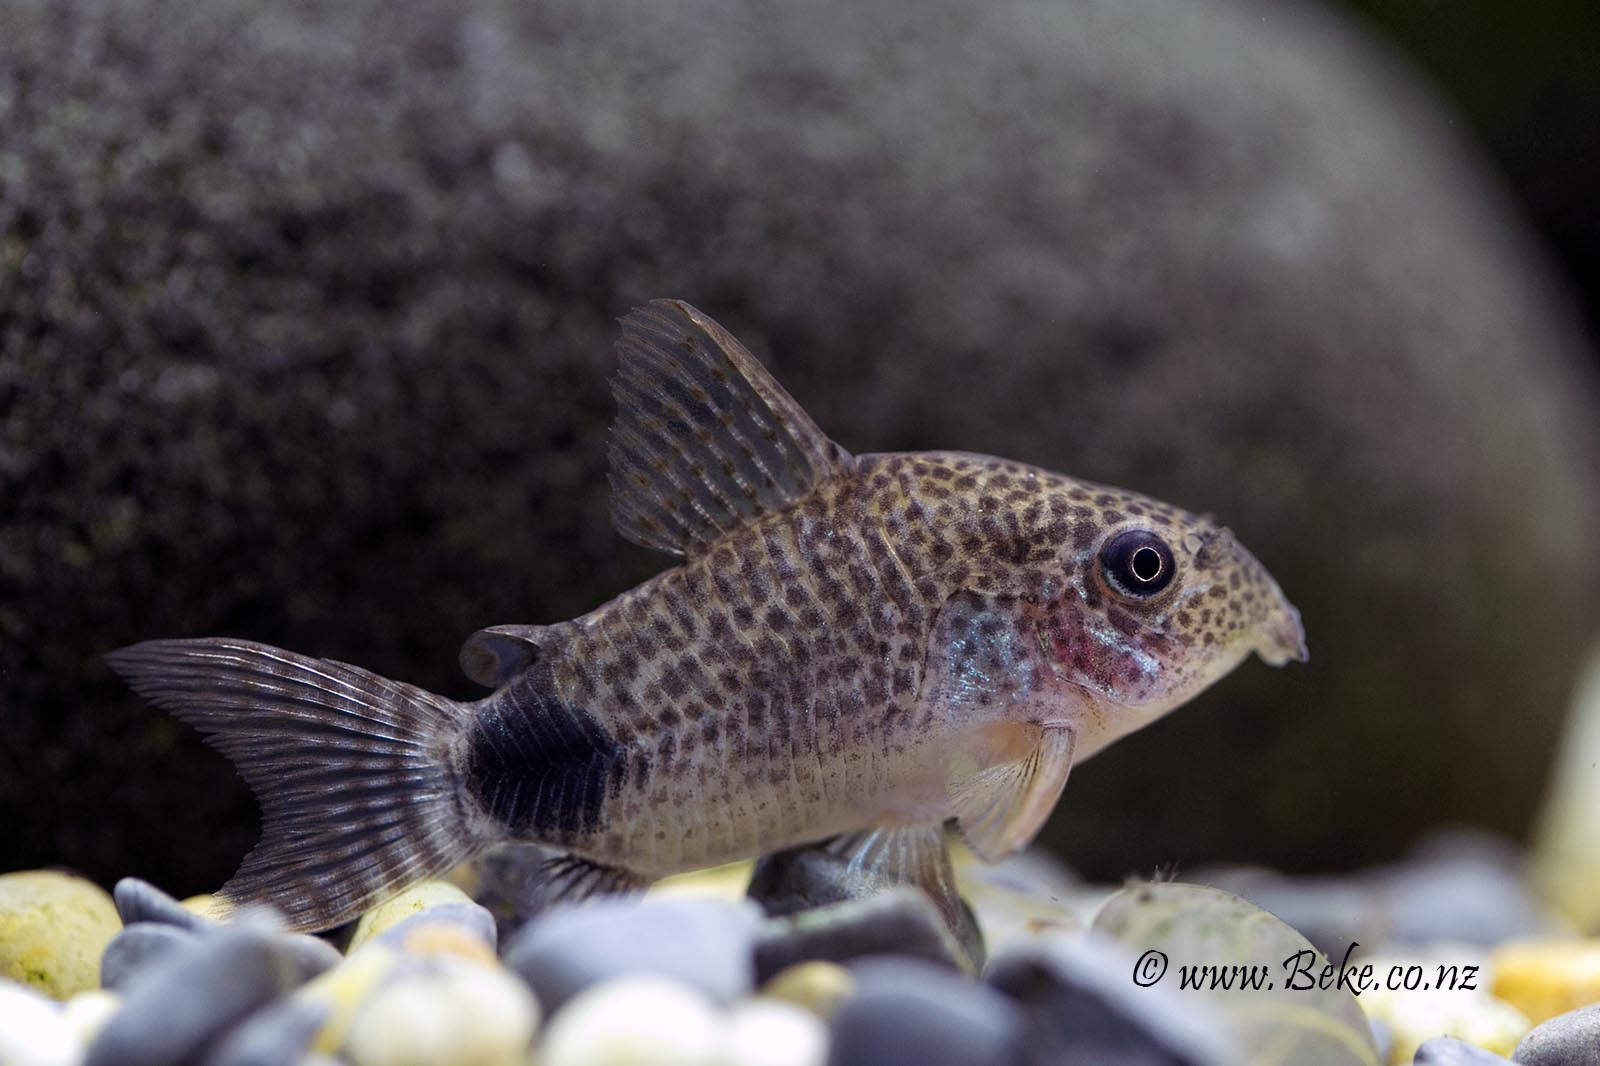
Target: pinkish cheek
1100,664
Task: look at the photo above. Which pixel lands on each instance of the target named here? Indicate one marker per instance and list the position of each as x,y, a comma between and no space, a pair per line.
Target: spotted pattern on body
855,648
770,691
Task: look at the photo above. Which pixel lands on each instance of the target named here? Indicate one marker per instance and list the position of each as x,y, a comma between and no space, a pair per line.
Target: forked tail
352,771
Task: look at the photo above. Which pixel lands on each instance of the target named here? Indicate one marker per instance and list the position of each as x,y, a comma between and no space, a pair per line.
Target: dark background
305,316
1523,80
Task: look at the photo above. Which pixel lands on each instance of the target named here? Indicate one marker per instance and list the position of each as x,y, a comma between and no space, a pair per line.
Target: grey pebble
178,1005
473,918
278,1034
140,901
897,921
907,1012
1448,1051
800,879
310,955
1083,1007
704,943
136,947
1382,1037
1570,1039
1458,885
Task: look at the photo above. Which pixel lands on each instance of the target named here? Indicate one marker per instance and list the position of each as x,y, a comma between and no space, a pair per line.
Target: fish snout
1282,635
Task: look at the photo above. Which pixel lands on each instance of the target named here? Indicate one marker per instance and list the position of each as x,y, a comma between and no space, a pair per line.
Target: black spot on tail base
540,766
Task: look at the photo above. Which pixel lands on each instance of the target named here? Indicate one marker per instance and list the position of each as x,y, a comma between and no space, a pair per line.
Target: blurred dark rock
1456,886
798,881
304,328
173,1009
893,921
704,943
140,901
906,1012
1083,1007
279,1034
136,947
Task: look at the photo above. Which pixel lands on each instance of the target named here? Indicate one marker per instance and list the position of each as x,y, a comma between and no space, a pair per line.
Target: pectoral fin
1000,808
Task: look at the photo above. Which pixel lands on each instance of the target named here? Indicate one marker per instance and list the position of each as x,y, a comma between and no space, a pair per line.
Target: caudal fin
352,771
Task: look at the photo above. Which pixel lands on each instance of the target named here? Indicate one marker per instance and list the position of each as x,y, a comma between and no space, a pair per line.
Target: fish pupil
1146,564
1137,563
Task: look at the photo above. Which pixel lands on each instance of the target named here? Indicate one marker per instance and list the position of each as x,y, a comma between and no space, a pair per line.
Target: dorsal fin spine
705,440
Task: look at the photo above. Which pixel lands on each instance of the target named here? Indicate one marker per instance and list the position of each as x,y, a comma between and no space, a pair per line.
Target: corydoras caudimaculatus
852,648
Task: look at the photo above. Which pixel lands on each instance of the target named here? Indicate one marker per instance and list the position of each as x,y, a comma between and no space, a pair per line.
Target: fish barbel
853,647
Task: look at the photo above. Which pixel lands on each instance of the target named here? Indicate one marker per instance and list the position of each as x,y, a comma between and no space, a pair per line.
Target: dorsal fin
705,439
493,656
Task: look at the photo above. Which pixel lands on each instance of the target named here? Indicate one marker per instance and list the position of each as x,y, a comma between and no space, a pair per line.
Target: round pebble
53,927
907,1012
32,1032
311,956
802,881
345,988
900,920
140,901
1415,1017
184,1001
1570,1039
413,901
701,942
816,986
1085,1008
1448,1051
773,1033
278,1034
635,1021
137,947
448,928
1547,976
727,883
453,1013
88,1012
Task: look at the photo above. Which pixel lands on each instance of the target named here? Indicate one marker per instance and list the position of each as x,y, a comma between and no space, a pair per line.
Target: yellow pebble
447,938
1416,1016
208,906
1547,977
412,901
53,929
346,987
727,882
817,986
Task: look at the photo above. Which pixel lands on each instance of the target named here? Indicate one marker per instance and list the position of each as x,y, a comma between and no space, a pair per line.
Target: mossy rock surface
305,333
53,929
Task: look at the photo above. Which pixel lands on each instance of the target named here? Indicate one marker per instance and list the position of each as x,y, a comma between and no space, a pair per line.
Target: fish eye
1138,563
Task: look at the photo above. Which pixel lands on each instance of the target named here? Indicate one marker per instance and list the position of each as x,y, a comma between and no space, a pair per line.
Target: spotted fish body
854,647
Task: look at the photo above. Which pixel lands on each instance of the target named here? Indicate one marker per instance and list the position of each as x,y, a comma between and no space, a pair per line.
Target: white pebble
455,1013
32,1032
773,1033
87,1013
635,1021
